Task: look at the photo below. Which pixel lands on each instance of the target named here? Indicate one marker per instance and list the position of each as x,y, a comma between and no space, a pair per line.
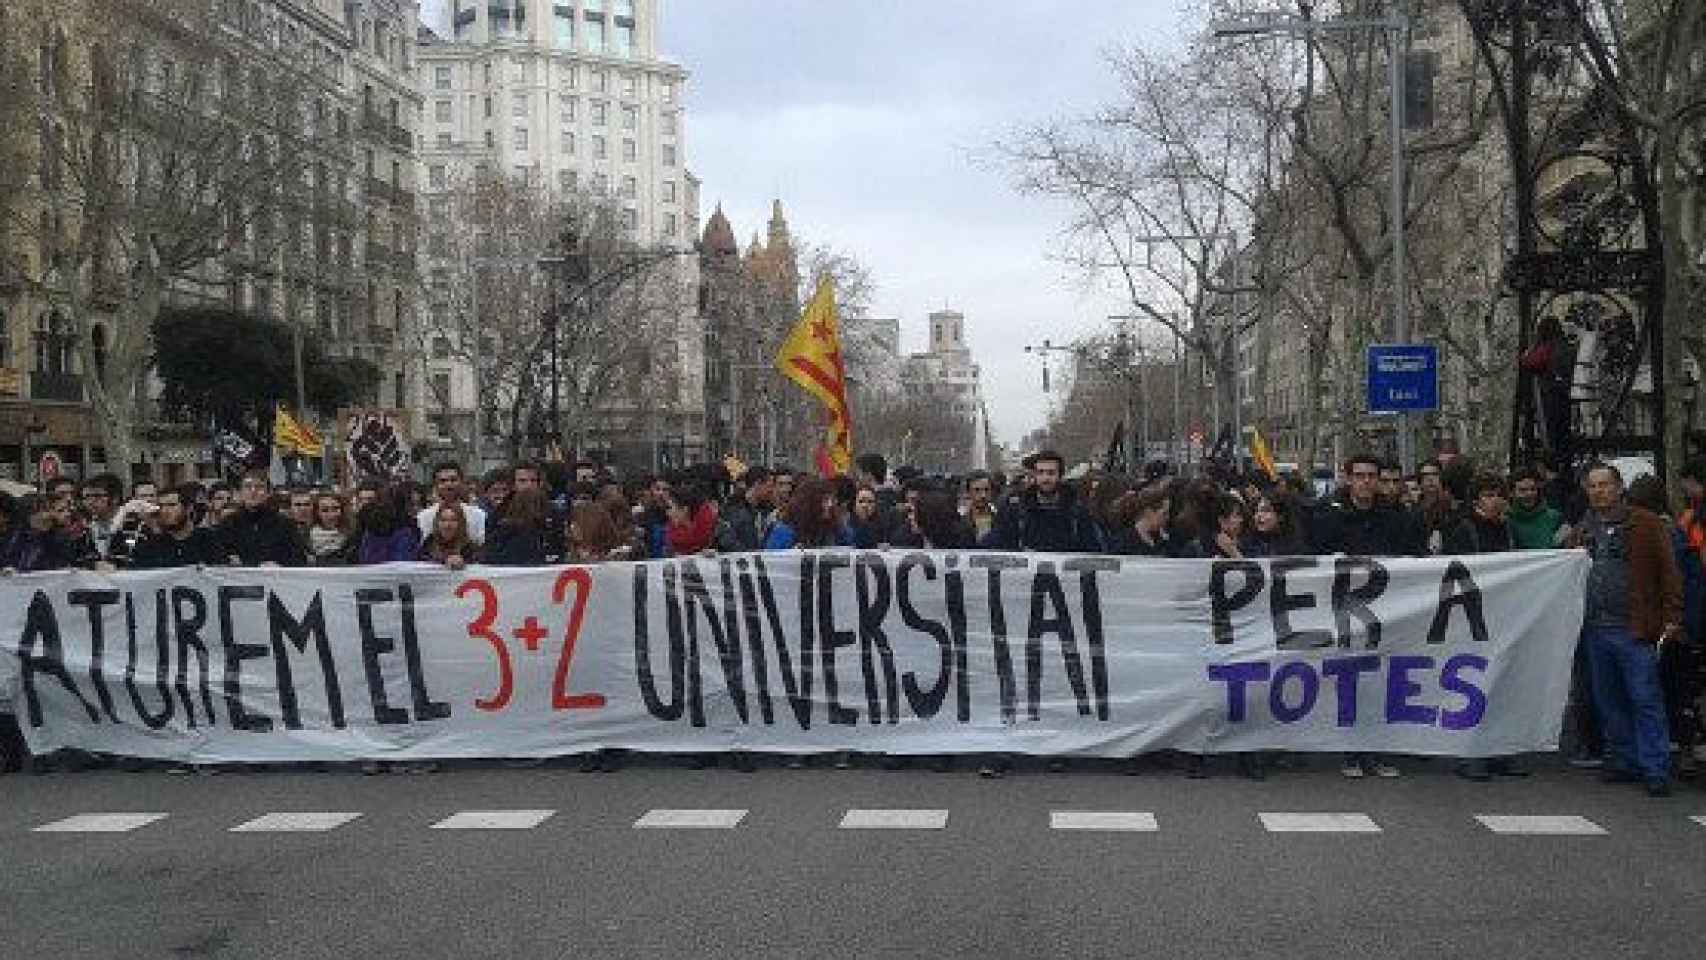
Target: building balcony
402,139
61,387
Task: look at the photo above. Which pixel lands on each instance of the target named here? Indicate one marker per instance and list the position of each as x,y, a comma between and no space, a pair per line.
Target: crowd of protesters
1635,699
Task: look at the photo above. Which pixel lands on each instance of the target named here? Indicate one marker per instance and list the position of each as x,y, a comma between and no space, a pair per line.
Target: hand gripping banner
892,652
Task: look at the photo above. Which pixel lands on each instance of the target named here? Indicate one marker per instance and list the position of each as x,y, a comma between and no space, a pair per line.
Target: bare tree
171,160
533,289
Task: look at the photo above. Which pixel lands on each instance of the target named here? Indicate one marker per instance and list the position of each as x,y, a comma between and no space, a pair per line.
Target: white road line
1318,823
690,820
1083,820
100,823
494,820
1542,826
1699,820
894,820
295,823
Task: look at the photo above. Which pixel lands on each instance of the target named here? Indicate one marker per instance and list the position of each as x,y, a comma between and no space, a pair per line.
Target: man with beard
1047,517
176,542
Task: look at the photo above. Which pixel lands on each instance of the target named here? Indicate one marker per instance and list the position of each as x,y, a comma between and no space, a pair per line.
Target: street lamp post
1398,25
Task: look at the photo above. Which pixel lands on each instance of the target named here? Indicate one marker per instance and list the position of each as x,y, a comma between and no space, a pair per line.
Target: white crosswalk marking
1318,823
690,820
1551,826
100,823
295,823
1085,820
494,820
894,820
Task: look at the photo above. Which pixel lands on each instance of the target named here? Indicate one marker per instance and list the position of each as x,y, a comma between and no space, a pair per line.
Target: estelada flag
293,437
1259,454
811,357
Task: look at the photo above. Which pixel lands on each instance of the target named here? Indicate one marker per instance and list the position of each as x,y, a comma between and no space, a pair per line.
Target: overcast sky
868,118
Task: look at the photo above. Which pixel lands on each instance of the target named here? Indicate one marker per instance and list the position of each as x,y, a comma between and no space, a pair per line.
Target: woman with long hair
938,523
1140,519
811,520
519,538
1274,527
691,521
594,536
330,542
388,531
449,543
1221,538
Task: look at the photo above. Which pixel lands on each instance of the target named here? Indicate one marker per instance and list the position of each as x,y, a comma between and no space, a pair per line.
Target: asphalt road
990,876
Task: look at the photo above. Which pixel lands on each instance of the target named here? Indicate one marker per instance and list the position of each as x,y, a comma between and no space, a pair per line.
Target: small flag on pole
293,437
1260,455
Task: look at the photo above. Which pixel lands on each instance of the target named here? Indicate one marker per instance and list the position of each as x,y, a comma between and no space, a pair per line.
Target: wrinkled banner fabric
892,652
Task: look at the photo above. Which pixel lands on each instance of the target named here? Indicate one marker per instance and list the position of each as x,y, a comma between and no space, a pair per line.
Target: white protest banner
895,652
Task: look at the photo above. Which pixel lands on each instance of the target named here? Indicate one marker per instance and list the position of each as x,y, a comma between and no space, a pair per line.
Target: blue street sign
1403,378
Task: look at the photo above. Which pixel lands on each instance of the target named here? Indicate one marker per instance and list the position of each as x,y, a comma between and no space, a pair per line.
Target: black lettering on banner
41,627
924,705
1458,589
954,593
93,601
1282,603
829,637
670,711
187,628
798,688
299,633
1046,591
995,563
1221,604
754,625
372,646
235,654
426,708
734,674
1090,601
162,661
873,608
695,598
678,590
1351,601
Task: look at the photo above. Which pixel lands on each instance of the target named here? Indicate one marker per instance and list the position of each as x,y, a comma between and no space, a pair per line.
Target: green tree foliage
236,366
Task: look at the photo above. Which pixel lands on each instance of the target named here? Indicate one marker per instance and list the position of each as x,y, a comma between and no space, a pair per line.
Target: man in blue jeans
1634,604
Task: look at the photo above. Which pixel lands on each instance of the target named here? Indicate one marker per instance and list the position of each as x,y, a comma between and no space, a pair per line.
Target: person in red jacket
692,521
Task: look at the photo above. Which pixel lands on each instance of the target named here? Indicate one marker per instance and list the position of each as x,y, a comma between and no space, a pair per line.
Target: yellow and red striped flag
811,357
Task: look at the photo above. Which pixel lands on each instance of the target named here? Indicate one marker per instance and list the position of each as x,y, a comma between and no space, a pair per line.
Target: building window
563,26
518,106
669,154
669,91
441,382
569,142
571,77
595,36
566,181
600,149
601,81
441,348
488,74
600,184
622,41
669,224
441,111
629,187
630,219
569,109
488,106
670,122
630,118
600,113
441,78
519,141
630,151
669,191
445,141
630,85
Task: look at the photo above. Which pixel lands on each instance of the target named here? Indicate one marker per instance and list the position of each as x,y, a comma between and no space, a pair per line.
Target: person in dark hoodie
1045,518
1485,529
258,535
